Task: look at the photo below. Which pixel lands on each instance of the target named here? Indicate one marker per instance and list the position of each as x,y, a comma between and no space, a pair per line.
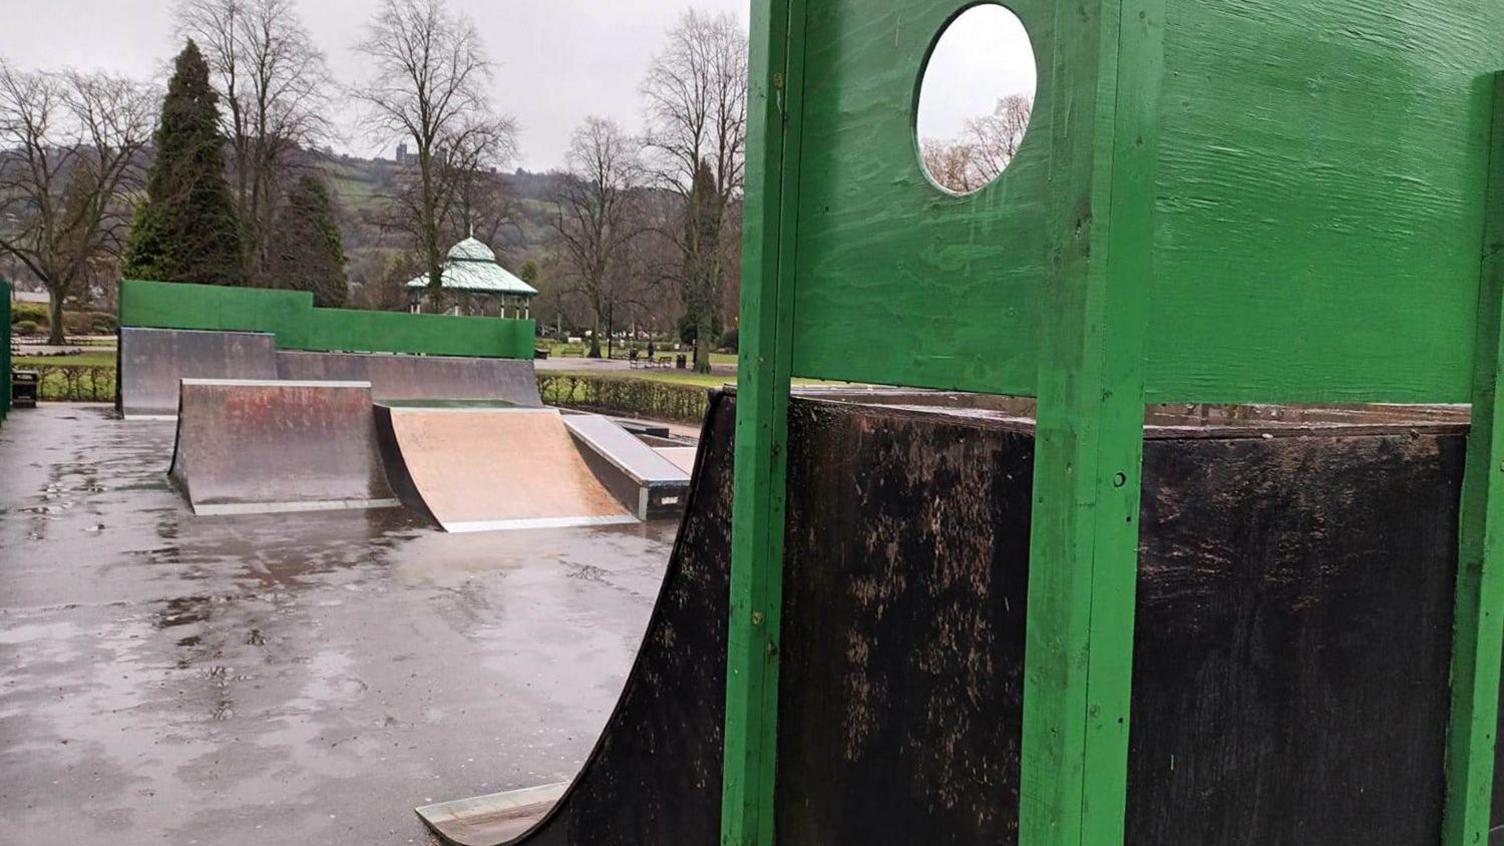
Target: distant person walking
652,350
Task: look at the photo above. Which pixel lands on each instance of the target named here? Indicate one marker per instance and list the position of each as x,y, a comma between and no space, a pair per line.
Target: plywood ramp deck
481,469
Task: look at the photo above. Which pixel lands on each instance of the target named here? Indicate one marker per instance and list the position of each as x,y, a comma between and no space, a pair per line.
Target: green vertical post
757,520
1480,566
1083,557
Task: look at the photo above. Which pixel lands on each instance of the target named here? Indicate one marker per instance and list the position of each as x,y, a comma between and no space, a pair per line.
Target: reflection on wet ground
281,678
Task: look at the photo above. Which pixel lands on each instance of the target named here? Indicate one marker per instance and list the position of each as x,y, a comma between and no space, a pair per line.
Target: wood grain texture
898,281
775,99
1479,619
1090,337
1319,182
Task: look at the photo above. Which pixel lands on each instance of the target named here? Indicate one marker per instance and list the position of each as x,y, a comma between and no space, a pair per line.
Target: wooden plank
1089,445
899,282
1316,214
774,98
1480,571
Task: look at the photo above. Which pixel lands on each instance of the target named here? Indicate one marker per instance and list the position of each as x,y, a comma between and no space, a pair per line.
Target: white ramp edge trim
232,508
148,417
536,523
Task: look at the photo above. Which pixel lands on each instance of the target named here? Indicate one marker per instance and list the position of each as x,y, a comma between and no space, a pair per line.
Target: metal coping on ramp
648,484
258,446
152,363
490,469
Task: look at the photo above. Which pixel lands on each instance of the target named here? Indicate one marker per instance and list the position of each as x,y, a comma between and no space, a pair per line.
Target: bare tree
595,221
274,85
952,164
71,151
696,92
986,145
995,137
428,85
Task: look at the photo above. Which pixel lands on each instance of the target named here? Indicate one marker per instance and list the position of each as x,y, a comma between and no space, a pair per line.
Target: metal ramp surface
153,361
258,446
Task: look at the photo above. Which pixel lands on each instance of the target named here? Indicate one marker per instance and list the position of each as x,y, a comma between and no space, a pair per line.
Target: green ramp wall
290,316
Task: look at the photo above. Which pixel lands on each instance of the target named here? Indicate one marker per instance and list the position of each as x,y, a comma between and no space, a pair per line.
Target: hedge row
34,318
75,382
631,397
627,396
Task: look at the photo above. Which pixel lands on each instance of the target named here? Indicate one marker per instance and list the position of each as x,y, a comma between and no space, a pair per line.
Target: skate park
1183,530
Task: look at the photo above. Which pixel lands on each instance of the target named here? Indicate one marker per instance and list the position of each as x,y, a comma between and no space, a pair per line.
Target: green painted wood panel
431,334
172,305
1320,188
1083,541
1319,181
290,316
898,281
1478,624
776,85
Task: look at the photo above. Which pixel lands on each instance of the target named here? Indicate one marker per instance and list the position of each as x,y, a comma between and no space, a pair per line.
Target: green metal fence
291,316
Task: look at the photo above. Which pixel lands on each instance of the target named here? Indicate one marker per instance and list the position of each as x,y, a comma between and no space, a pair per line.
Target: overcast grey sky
557,61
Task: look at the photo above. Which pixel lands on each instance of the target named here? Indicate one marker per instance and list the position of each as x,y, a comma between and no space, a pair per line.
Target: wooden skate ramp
154,361
267,446
1290,664
484,469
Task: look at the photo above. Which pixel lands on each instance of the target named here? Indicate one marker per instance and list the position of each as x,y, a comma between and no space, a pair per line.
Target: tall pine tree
187,230
308,254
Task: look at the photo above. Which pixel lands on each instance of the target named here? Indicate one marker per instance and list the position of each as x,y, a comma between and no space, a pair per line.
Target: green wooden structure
1288,202
291,316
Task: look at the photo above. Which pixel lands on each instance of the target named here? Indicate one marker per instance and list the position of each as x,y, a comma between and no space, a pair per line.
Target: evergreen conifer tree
187,230
308,254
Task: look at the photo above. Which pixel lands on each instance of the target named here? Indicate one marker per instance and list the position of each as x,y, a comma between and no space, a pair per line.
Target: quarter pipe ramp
419,377
481,469
266,446
1284,581
152,361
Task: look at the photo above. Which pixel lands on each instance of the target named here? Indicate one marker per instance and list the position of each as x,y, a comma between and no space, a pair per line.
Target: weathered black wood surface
1293,640
905,581
655,774
1290,684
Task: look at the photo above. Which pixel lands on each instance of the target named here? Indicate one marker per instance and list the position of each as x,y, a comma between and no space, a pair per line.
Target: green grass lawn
559,349
674,377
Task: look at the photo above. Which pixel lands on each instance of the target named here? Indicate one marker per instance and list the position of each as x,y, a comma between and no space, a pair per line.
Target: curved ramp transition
478,469
1284,583
263,446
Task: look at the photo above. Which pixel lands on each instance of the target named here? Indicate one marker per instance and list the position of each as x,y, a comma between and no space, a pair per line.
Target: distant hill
363,189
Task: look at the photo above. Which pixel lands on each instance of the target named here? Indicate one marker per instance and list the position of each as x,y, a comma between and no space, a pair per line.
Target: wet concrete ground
166,678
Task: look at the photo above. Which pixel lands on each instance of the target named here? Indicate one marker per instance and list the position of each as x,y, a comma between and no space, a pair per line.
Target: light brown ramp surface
153,361
263,446
481,469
